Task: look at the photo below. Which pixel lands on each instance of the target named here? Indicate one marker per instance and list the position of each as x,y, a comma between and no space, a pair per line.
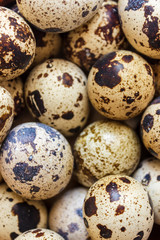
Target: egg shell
17,45
19,215
56,94
118,207
65,216
148,174
141,25
61,16
36,161
121,85
99,36
105,148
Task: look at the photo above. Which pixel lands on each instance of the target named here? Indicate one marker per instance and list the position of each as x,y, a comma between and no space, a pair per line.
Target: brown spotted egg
141,25
148,174
118,207
36,161
19,215
121,85
58,16
104,148
99,36
56,94
17,45
39,234
65,216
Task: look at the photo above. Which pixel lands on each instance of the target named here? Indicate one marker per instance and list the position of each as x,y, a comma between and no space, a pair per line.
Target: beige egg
65,216
141,26
148,174
99,36
121,85
118,207
19,215
56,94
105,148
58,16
36,161
17,43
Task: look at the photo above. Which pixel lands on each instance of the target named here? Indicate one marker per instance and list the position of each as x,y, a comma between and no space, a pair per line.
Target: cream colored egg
65,216
121,85
36,161
56,94
118,207
19,215
105,148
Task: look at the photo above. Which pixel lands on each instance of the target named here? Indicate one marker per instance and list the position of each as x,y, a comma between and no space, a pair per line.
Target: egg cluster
79,119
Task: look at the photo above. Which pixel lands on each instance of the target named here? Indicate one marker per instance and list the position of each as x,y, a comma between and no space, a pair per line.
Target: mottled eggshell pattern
19,215
56,95
99,36
36,161
141,25
121,85
65,216
148,174
39,234
58,16
17,43
118,207
104,148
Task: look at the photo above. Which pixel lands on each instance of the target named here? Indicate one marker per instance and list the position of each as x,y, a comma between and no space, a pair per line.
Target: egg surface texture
118,207
36,161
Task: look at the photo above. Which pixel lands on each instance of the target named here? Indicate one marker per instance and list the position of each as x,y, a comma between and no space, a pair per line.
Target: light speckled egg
104,148
56,94
36,161
150,124
148,174
118,207
141,25
58,16
121,85
17,45
19,215
40,234
99,36
65,216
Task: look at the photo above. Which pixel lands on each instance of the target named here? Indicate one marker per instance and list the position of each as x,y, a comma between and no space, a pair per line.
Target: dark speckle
86,223
127,58
75,130
123,229
55,178
9,190
73,227
148,122
90,207
148,10
67,80
146,180
79,43
13,235
104,231
158,112
94,8
125,180
79,212
120,210
85,13
139,235
68,115
55,30
148,69
34,189
135,4
40,234
158,178
111,188
63,234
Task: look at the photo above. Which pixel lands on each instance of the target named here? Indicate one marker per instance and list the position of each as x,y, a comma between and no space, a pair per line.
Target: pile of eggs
79,119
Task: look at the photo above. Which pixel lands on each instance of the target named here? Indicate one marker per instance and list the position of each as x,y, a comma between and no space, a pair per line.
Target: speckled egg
19,215
58,16
141,25
39,234
104,148
148,174
36,161
56,95
118,207
99,36
121,85
17,45
65,216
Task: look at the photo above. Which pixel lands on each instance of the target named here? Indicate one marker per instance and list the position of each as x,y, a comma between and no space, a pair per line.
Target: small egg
17,43
121,85
104,148
99,36
148,174
36,161
141,25
19,215
58,16
56,94
118,207
65,216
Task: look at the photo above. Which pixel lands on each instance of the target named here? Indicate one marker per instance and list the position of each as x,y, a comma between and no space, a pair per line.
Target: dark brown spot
146,180
86,58
127,58
158,112
111,188
139,235
39,234
37,230
122,89
94,8
55,178
148,122
125,180
158,178
129,100
148,68
75,130
34,189
148,10
90,207
104,231
4,117
153,152
128,114
13,235
67,80
105,99
80,97
123,229
79,43
135,4
68,115
120,210
85,13
55,116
